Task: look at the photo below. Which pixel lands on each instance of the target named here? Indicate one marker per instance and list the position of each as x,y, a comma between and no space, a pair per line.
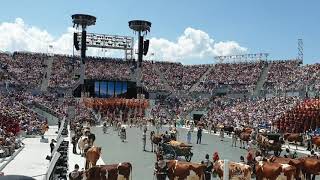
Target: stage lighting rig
142,28
82,21
105,41
242,58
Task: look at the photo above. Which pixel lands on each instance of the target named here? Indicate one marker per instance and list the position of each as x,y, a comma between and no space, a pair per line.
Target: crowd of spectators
16,118
191,74
189,104
62,73
307,77
5,76
49,102
26,67
181,77
150,78
263,111
237,76
183,105
107,69
173,73
83,113
281,74
159,111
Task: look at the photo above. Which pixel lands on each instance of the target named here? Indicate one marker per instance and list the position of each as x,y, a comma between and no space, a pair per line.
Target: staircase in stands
163,79
262,79
48,70
202,78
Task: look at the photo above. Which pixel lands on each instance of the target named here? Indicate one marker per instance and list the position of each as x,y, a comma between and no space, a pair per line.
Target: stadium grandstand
68,102
183,88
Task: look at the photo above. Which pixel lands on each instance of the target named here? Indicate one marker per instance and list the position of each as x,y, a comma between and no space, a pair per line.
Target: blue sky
271,26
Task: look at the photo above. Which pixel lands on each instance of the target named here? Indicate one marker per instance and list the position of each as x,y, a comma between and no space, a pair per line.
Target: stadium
83,115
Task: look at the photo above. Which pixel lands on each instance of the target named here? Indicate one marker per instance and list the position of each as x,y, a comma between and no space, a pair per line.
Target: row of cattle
286,168
246,134
274,168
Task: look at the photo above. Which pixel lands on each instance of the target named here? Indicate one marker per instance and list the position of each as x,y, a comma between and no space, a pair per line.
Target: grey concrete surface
115,151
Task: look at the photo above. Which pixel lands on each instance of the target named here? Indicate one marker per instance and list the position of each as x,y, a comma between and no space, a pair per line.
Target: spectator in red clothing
215,157
250,158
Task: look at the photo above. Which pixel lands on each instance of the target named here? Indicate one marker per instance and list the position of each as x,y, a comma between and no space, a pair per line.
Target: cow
81,143
121,171
268,170
267,145
157,139
236,170
288,172
293,162
310,166
293,137
248,130
228,129
92,156
178,170
244,137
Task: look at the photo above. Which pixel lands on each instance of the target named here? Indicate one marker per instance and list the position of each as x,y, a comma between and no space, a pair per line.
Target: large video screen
97,87
124,88
118,88
104,89
110,89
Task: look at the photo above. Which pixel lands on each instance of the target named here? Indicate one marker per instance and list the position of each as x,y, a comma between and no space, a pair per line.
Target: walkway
31,161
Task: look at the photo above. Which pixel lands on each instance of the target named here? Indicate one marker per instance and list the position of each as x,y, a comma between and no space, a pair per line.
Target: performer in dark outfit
123,134
208,169
199,135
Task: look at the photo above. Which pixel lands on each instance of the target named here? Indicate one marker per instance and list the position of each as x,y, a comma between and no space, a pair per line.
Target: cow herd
272,168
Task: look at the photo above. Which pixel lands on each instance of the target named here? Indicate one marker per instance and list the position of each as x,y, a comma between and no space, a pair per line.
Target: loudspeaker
75,41
83,45
146,47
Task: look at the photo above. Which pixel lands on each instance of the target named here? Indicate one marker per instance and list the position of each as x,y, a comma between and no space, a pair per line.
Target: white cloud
192,45
18,36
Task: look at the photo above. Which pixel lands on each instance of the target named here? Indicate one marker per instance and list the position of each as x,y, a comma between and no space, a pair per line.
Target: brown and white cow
298,164
92,156
236,170
268,170
275,171
121,171
293,137
179,170
310,166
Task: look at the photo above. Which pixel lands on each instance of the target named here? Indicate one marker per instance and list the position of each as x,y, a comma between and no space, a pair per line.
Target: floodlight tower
82,21
142,27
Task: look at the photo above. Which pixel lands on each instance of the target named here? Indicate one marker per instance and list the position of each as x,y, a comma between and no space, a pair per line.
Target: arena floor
115,151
